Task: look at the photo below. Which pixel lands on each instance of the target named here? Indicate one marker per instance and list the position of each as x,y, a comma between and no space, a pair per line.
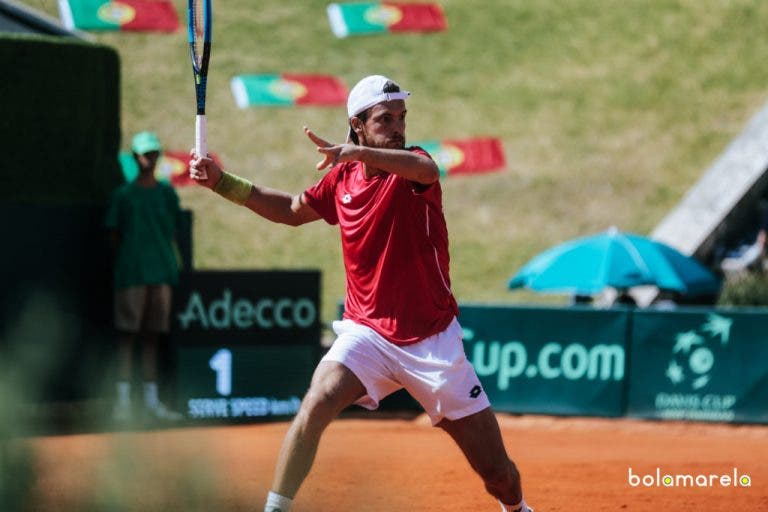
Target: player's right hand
204,170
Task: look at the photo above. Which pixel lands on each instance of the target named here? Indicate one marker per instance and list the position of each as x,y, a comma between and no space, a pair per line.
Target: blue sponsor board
549,360
709,365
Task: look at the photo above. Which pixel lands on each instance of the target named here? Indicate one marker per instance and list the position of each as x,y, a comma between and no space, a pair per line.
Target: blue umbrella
619,260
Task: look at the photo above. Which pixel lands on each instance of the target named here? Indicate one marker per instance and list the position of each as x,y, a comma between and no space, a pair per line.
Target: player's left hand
333,153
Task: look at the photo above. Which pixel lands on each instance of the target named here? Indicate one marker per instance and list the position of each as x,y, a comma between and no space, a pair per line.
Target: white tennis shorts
435,371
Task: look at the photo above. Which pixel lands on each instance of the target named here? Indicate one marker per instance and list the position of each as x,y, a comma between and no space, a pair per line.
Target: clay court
376,465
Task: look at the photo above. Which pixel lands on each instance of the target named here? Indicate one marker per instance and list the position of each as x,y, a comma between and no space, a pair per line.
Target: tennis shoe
524,508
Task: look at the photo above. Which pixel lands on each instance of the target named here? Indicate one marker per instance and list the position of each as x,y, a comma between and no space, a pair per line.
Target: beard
394,142
397,142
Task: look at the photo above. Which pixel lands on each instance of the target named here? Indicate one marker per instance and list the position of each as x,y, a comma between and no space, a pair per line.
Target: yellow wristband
234,188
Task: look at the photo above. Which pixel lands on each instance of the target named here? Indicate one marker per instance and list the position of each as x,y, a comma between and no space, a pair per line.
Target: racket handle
201,137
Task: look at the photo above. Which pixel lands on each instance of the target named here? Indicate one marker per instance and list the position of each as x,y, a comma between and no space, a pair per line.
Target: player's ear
357,126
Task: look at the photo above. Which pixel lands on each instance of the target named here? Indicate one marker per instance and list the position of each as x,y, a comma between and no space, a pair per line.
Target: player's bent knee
316,402
319,406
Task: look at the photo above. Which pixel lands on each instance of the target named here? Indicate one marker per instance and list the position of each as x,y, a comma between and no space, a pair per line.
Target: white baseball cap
369,92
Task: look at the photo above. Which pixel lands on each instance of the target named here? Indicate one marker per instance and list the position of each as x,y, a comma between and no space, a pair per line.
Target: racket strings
198,23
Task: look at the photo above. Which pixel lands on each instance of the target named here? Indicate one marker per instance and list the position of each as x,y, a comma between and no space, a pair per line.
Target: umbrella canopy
619,260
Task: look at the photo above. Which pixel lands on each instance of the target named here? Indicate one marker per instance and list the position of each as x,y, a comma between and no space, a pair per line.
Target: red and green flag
288,89
382,17
469,156
135,15
172,167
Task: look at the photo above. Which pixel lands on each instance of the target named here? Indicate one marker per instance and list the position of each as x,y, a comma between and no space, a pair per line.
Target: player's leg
334,387
355,370
480,440
438,374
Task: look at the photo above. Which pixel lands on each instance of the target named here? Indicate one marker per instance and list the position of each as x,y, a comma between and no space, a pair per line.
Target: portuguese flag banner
288,89
469,156
172,167
134,15
382,17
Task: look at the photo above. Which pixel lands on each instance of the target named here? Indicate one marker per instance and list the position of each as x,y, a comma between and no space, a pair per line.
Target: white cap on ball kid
370,91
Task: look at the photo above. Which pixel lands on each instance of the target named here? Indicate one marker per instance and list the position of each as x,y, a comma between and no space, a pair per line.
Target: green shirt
145,219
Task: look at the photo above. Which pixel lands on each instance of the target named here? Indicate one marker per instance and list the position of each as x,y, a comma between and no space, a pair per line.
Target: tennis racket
200,50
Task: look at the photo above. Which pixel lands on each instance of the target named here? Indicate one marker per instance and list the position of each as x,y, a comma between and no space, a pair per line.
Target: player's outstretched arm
412,166
274,205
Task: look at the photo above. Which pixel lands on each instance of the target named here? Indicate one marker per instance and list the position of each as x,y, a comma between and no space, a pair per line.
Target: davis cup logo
287,89
386,15
693,356
116,12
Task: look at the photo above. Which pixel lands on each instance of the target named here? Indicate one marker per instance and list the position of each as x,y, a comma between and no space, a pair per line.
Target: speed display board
246,342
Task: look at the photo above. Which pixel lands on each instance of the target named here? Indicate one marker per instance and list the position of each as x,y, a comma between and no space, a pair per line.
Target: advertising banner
246,343
709,365
247,308
242,383
548,360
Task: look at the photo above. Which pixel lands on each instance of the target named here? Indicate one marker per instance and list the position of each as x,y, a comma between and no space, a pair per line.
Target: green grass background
609,110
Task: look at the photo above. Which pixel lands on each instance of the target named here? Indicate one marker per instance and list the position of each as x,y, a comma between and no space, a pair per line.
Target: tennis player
399,328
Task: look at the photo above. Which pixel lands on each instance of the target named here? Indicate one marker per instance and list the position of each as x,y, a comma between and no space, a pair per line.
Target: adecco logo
572,361
265,313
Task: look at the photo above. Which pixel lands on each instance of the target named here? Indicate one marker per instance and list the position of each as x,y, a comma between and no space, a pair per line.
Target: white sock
123,393
520,507
151,399
277,503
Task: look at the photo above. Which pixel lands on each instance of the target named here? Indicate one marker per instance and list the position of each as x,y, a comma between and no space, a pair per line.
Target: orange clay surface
378,465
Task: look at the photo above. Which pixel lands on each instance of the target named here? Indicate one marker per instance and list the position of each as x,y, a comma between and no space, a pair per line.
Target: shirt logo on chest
346,198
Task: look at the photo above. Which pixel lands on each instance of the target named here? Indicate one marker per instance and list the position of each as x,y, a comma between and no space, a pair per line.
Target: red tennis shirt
395,245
